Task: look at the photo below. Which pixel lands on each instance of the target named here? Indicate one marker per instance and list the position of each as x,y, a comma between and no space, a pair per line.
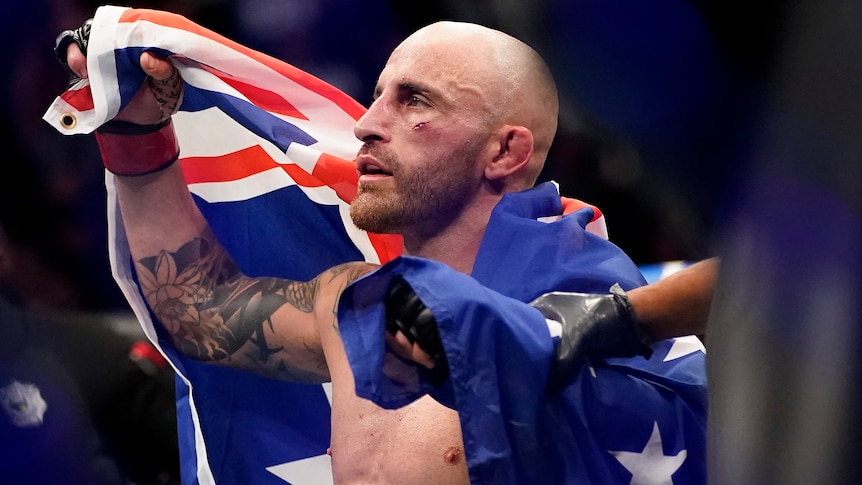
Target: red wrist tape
130,149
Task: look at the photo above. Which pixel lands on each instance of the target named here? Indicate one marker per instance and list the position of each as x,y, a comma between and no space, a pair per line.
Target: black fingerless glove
593,326
406,313
80,36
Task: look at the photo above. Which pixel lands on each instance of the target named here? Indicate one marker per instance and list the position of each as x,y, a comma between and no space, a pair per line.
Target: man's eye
414,101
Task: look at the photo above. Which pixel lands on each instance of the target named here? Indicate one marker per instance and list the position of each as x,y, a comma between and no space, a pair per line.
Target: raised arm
209,308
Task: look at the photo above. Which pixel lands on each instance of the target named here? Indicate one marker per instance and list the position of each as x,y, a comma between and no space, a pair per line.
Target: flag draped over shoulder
635,420
267,152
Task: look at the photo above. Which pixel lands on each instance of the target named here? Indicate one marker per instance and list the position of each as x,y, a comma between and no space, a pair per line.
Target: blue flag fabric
620,421
522,256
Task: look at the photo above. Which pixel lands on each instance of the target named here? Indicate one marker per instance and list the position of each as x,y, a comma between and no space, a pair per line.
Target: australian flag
267,152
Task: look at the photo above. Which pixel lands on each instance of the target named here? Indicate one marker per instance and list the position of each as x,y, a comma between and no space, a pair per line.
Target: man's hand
594,326
412,331
81,38
141,138
153,103
143,109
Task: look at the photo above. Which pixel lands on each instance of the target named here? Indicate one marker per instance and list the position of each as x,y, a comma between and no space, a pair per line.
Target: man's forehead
437,59
447,40
445,79
454,62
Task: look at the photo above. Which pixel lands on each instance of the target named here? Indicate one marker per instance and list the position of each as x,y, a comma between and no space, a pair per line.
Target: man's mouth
368,167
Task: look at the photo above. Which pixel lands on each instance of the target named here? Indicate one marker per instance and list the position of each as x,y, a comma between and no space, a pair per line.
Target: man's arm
624,324
593,325
210,310
677,305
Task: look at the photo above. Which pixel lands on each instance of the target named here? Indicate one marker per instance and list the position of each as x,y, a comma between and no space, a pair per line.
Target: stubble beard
423,200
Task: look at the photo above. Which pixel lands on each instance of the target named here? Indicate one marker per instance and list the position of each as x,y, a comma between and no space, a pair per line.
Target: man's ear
515,150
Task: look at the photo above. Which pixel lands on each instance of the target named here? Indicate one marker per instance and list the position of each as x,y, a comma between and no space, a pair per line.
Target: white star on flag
651,466
683,346
316,470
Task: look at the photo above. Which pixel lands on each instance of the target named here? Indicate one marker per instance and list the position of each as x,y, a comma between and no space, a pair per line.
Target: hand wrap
80,36
594,326
130,149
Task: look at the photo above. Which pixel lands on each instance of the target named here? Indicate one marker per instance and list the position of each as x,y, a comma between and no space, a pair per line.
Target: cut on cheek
421,124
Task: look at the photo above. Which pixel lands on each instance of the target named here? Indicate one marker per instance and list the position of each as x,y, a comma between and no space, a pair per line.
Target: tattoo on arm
354,272
211,309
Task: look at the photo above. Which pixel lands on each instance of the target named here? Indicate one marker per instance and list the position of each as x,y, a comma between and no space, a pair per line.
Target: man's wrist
628,317
130,149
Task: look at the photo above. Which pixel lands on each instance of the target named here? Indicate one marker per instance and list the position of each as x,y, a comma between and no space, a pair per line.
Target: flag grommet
68,120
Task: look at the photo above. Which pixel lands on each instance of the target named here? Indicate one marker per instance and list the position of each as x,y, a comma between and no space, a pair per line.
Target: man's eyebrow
406,86
414,87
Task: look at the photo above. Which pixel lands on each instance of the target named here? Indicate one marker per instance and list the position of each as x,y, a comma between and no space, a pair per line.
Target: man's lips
370,168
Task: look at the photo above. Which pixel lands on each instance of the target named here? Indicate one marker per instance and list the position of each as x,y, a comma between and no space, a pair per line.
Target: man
451,131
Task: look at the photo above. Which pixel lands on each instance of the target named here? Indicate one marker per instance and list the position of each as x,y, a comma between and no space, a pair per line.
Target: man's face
423,136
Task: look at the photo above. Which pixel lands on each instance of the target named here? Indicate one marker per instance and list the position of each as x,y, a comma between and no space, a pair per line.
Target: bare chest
418,444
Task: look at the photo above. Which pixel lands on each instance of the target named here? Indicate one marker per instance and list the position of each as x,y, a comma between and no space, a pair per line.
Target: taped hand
593,326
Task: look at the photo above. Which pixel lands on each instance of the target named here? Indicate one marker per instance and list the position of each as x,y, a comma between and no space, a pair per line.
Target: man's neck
455,245
460,255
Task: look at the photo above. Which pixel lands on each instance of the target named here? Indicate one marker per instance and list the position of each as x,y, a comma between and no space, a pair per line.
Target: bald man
462,116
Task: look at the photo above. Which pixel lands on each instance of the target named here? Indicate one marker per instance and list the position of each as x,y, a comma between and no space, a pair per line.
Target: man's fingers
422,358
399,344
402,347
76,60
156,67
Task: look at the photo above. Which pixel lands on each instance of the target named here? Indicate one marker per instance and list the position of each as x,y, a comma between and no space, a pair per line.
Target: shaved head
513,82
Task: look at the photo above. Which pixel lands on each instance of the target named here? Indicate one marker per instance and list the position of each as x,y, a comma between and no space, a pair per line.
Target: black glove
594,326
80,36
406,313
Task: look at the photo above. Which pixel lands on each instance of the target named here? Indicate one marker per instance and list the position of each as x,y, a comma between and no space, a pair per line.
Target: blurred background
653,94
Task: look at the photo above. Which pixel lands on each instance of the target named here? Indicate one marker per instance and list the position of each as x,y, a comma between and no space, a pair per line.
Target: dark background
656,96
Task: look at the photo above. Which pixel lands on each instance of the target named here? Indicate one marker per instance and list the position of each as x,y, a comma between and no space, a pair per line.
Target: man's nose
372,125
